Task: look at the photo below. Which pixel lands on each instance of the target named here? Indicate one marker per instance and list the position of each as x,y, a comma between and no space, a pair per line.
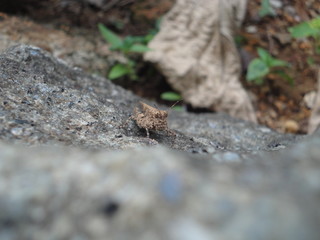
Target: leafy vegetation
308,29
260,67
171,96
266,9
127,46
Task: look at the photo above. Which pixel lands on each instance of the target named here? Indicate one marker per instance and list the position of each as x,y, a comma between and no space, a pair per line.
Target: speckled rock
70,169
43,101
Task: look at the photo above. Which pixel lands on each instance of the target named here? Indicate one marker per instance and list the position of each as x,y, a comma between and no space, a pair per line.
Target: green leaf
257,69
171,96
118,70
110,37
138,39
315,23
269,60
285,76
131,64
266,9
258,81
278,63
158,23
303,30
148,38
128,41
178,108
264,55
139,48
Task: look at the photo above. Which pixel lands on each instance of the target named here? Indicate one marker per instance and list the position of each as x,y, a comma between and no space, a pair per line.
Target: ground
279,105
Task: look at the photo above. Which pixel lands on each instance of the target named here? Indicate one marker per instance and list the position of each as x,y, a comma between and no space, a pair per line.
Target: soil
279,104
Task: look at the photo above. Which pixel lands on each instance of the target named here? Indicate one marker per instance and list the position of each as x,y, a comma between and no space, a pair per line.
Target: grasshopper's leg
171,132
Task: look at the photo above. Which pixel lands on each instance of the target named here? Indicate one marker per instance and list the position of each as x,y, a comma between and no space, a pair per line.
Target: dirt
279,104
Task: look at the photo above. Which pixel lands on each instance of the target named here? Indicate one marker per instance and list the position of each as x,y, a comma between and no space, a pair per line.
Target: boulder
73,167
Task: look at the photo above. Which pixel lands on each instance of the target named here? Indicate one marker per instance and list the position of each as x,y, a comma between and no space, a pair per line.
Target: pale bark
314,121
195,50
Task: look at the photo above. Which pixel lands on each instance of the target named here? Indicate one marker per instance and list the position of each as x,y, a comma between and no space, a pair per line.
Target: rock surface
85,175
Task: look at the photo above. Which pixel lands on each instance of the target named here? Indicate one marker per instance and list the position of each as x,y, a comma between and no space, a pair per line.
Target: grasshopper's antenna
156,106
175,103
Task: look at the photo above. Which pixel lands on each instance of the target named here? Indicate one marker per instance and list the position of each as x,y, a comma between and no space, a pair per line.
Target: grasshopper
151,118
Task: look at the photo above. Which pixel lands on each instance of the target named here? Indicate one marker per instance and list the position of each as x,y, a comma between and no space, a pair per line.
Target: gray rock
81,176
46,102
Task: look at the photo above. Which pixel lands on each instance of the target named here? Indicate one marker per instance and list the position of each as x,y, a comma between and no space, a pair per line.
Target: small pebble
309,99
276,3
291,126
251,29
17,131
265,129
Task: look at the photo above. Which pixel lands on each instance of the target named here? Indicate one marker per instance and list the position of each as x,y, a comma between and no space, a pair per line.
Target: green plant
172,96
308,29
127,46
260,67
266,9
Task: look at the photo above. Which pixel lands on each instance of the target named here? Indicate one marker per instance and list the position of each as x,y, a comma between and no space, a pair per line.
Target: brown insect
151,118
